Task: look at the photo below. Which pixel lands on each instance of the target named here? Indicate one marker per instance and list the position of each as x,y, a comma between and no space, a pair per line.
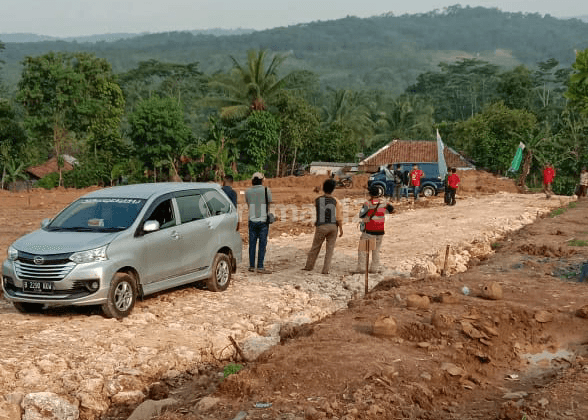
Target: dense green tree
299,126
578,85
3,89
68,96
407,117
335,143
260,139
515,88
254,86
13,144
220,151
159,132
460,90
181,81
491,137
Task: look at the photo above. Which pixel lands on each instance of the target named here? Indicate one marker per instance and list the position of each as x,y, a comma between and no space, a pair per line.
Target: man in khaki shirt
329,217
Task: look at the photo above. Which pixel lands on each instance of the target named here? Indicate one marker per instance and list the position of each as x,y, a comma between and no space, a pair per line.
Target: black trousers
450,200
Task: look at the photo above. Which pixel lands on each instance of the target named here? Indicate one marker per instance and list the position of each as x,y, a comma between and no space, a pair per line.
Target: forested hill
384,52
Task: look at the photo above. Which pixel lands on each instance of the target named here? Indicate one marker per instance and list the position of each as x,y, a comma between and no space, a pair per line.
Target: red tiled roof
48,167
412,151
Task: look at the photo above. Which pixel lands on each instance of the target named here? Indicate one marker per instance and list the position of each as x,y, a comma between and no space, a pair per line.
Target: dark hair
374,191
453,170
329,185
229,178
257,181
398,166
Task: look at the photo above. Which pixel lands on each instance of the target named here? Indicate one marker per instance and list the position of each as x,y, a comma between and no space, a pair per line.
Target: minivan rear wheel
28,308
121,296
221,273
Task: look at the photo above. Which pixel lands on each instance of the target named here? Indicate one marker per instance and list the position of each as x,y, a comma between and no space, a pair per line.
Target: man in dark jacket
329,218
228,189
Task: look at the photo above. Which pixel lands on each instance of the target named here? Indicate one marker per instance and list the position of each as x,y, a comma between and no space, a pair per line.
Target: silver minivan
118,244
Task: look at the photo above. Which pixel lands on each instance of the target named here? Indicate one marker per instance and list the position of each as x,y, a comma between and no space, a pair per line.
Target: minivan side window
164,214
192,207
217,203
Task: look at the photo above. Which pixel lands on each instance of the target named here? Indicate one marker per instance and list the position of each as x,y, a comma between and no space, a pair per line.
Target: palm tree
351,109
253,86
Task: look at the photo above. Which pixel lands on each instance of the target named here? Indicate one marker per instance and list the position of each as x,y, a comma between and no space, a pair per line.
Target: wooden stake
367,264
444,271
367,245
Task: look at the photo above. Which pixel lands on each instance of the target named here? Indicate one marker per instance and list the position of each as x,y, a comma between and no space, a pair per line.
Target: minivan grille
54,272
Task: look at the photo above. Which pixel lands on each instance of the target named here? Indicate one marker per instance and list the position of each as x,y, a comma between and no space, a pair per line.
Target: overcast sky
89,17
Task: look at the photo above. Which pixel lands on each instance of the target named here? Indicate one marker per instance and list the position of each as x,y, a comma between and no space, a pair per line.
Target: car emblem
39,260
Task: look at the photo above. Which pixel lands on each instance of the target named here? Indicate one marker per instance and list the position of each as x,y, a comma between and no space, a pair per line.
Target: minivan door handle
175,235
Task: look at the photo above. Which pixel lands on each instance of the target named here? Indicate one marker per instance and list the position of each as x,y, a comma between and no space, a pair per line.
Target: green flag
518,158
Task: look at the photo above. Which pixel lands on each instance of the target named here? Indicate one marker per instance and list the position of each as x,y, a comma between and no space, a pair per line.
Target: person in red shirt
548,176
415,180
452,183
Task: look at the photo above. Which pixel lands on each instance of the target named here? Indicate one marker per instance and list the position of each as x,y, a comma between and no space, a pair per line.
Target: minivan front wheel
121,296
221,273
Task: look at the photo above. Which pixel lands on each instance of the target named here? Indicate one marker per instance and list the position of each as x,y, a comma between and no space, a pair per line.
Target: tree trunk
278,164
294,160
526,169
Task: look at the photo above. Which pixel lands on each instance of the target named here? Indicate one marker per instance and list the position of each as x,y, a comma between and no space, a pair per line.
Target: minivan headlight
91,255
12,253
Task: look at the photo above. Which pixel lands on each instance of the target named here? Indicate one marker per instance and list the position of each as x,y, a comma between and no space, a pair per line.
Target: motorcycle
345,182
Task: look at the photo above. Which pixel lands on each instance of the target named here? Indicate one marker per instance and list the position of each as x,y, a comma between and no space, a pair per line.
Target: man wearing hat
257,198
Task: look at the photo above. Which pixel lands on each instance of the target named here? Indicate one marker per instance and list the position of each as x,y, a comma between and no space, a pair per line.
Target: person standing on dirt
452,183
329,218
255,198
373,213
228,189
415,180
398,181
548,176
583,182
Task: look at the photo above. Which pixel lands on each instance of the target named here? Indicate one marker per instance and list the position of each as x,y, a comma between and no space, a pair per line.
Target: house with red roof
412,151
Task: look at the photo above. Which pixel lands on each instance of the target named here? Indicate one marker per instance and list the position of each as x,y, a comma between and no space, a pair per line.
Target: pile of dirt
482,182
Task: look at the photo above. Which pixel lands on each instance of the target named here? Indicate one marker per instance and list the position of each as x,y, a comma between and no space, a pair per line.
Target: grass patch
577,242
496,245
557,212
572,204
231,368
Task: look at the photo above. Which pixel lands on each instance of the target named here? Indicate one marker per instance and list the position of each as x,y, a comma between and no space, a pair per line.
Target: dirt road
93,362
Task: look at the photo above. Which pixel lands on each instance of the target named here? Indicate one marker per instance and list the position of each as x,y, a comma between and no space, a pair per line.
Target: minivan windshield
97,215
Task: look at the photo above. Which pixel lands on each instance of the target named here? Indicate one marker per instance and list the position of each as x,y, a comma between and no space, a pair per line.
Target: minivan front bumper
82,284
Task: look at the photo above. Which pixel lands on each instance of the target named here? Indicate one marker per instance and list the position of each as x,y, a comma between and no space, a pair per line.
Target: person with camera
373,215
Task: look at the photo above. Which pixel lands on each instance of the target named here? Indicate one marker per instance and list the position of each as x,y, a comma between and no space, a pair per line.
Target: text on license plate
37,286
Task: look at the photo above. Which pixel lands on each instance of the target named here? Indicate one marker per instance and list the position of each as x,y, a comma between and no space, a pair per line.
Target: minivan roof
145,191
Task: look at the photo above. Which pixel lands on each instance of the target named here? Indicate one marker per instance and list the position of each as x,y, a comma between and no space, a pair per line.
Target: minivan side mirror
150,226
45,223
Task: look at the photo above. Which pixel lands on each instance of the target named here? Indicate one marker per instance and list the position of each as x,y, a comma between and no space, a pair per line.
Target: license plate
37,286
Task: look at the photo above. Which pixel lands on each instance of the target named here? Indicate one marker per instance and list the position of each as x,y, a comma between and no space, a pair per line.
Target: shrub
231,368
48,181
